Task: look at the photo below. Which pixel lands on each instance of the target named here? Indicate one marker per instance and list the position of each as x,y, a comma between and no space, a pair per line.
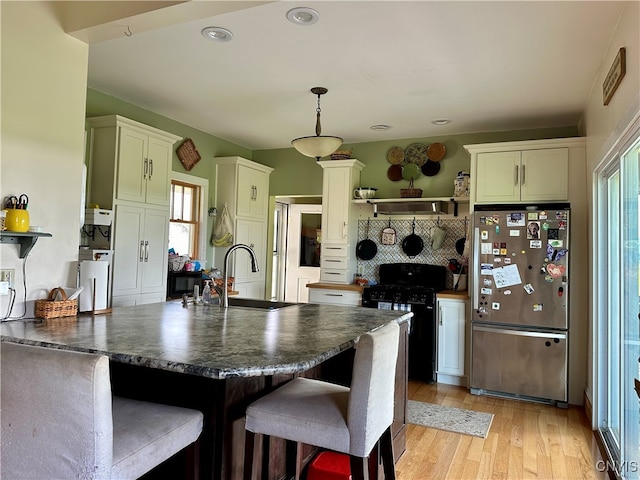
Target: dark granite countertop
207,341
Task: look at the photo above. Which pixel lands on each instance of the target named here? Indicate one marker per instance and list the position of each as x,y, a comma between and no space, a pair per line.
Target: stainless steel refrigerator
520,300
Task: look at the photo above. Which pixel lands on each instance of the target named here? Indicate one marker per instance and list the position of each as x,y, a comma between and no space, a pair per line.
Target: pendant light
317,146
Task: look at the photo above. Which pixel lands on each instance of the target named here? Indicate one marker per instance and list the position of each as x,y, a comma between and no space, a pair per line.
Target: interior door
303,251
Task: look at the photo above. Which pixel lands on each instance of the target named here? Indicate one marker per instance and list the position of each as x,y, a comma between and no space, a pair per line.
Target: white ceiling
486,66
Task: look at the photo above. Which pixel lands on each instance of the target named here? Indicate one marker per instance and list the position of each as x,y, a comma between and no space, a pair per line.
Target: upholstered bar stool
347,420
60,421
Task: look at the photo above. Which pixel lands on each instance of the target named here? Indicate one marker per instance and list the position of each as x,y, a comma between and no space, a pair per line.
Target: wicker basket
51,308
410,192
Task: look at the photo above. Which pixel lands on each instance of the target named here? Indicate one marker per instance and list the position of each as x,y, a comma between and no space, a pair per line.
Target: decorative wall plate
395,155
416,153
436,152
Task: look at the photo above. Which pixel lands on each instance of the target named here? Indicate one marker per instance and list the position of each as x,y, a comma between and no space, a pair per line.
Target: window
184,227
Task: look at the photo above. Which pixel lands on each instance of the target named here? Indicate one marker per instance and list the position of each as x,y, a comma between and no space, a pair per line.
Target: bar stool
347,420
59,420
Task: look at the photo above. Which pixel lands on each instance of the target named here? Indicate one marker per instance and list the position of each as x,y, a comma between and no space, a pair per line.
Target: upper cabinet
533,171
130,161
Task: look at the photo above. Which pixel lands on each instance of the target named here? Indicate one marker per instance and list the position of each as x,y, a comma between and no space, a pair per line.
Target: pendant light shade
317,146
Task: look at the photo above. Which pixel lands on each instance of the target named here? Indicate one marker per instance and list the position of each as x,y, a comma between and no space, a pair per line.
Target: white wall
44,83
604,125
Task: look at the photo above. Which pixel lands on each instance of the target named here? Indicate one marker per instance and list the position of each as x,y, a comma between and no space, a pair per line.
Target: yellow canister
17,220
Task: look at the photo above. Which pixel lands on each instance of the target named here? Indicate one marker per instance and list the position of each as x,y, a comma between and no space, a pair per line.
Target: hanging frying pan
412,244
366,249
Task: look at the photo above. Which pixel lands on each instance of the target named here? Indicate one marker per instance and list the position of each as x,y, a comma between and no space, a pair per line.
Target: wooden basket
51,308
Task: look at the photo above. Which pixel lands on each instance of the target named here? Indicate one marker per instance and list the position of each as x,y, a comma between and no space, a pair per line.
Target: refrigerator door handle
476,270
520,333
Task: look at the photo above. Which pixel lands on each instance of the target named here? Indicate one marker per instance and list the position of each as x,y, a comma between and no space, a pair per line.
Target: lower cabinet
451,341
331,296
140,242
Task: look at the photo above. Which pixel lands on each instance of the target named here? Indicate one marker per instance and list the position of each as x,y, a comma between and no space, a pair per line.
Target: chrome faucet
222,290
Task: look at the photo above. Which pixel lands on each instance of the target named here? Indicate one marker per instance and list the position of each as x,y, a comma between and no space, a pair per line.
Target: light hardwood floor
526,440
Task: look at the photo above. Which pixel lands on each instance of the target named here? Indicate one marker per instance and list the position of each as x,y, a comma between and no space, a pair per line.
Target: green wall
296,174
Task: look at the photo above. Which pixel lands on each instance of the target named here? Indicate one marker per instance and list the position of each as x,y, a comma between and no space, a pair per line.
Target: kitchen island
218,361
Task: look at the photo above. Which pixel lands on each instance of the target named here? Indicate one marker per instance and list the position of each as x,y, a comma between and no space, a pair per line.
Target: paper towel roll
90,270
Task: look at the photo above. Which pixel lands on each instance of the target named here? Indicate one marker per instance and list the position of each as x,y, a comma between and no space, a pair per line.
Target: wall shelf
400,206
26,240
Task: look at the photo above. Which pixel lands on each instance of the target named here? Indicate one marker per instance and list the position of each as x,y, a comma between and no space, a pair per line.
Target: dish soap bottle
206,294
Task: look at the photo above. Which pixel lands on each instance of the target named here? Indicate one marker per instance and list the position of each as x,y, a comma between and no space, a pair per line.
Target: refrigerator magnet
542,215
486,282
503,251
529,288
537,307
486,291
485,248
535,243
496,251
495,306
556,243
515,220
507,261
484,234
556,270
486,269
514,233
532,216
507,292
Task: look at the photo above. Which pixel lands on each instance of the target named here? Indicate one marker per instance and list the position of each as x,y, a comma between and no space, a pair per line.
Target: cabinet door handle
146,168
523,167
141,250
332,273
334,295
332,261
515,177
150,168
146,251
332,248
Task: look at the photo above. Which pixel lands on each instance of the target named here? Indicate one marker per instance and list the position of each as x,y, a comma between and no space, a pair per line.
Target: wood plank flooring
526,441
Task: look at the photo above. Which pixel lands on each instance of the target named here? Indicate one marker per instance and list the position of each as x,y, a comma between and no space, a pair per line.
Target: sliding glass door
618,294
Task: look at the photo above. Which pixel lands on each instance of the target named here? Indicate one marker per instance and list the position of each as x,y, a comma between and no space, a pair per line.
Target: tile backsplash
455,228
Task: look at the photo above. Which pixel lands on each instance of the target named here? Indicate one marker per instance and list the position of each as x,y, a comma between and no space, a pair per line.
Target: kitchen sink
261,304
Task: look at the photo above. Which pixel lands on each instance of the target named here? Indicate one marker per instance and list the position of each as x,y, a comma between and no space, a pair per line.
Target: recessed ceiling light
303,16
217,34
441,121
380,127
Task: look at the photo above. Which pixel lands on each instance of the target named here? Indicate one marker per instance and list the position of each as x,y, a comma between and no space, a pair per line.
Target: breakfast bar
218,361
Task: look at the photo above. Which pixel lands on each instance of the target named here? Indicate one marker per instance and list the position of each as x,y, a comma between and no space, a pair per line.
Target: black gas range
412,287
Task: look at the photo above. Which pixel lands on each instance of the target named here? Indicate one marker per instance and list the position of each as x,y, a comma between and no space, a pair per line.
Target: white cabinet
140,239
129,161
530,175
339,220
244,186
531,171
129,171
331,296
451,340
